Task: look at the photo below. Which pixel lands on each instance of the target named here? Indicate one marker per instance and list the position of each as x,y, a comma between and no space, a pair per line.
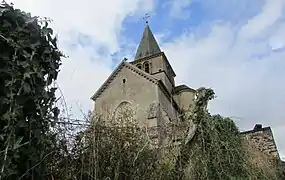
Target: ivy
218,151
29,64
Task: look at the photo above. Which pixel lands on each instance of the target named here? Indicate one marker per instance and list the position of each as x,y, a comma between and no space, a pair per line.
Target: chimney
257,127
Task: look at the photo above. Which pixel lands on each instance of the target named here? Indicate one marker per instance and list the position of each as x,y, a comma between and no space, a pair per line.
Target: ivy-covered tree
217,149
29,64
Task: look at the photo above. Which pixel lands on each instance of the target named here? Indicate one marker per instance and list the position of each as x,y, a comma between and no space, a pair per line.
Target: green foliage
30,62
217,150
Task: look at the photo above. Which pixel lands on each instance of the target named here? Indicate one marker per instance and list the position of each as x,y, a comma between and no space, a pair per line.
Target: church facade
146,85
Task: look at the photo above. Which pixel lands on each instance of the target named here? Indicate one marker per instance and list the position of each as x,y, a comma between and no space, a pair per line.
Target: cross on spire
146,17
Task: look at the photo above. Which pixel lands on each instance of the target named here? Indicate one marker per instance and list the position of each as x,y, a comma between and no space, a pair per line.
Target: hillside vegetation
39,142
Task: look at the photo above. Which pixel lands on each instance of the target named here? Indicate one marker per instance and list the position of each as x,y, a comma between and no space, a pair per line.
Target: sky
236,47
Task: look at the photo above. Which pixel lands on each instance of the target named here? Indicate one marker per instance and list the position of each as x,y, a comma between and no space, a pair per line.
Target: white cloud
271,12
101,20
239,64
80,78
277,40
278,133
178,8
85,69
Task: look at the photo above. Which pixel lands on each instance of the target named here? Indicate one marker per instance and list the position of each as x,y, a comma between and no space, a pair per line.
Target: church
145,85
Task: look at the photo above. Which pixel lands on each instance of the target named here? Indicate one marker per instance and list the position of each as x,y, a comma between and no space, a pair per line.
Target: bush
30,62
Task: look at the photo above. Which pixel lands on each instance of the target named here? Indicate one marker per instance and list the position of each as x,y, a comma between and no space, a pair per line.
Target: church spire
148,45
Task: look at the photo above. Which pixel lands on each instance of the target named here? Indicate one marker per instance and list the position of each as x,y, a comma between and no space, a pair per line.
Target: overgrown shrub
218,151
115,149
110,150
29,63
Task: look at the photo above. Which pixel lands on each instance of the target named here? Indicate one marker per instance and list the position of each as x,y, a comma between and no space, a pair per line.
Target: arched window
123,113
146,67
139,66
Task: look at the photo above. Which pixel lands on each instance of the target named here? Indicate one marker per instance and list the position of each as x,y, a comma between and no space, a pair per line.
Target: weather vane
146,16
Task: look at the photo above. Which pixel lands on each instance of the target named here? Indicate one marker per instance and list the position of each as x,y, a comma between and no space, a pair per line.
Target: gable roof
139,72
115,72
148,45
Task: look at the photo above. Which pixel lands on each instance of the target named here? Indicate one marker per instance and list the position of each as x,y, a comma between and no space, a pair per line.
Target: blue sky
196,14
236,47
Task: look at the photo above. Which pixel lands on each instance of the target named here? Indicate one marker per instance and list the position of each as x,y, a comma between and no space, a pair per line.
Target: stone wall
167,106
282,169
262,138
126,86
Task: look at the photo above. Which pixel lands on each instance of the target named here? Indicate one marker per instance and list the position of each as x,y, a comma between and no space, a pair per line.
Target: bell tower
152,60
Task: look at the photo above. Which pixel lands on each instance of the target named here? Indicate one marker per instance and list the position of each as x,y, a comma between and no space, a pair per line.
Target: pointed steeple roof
148,45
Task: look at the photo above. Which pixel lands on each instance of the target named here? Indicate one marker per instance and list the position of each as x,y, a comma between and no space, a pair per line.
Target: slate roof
148,45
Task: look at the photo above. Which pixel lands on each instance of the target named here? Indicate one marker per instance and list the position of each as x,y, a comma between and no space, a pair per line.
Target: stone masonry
262,138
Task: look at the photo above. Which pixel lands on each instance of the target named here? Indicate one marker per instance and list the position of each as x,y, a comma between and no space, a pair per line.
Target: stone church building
146,85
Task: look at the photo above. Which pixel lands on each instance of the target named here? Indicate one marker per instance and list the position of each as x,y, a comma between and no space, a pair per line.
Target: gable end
116,71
